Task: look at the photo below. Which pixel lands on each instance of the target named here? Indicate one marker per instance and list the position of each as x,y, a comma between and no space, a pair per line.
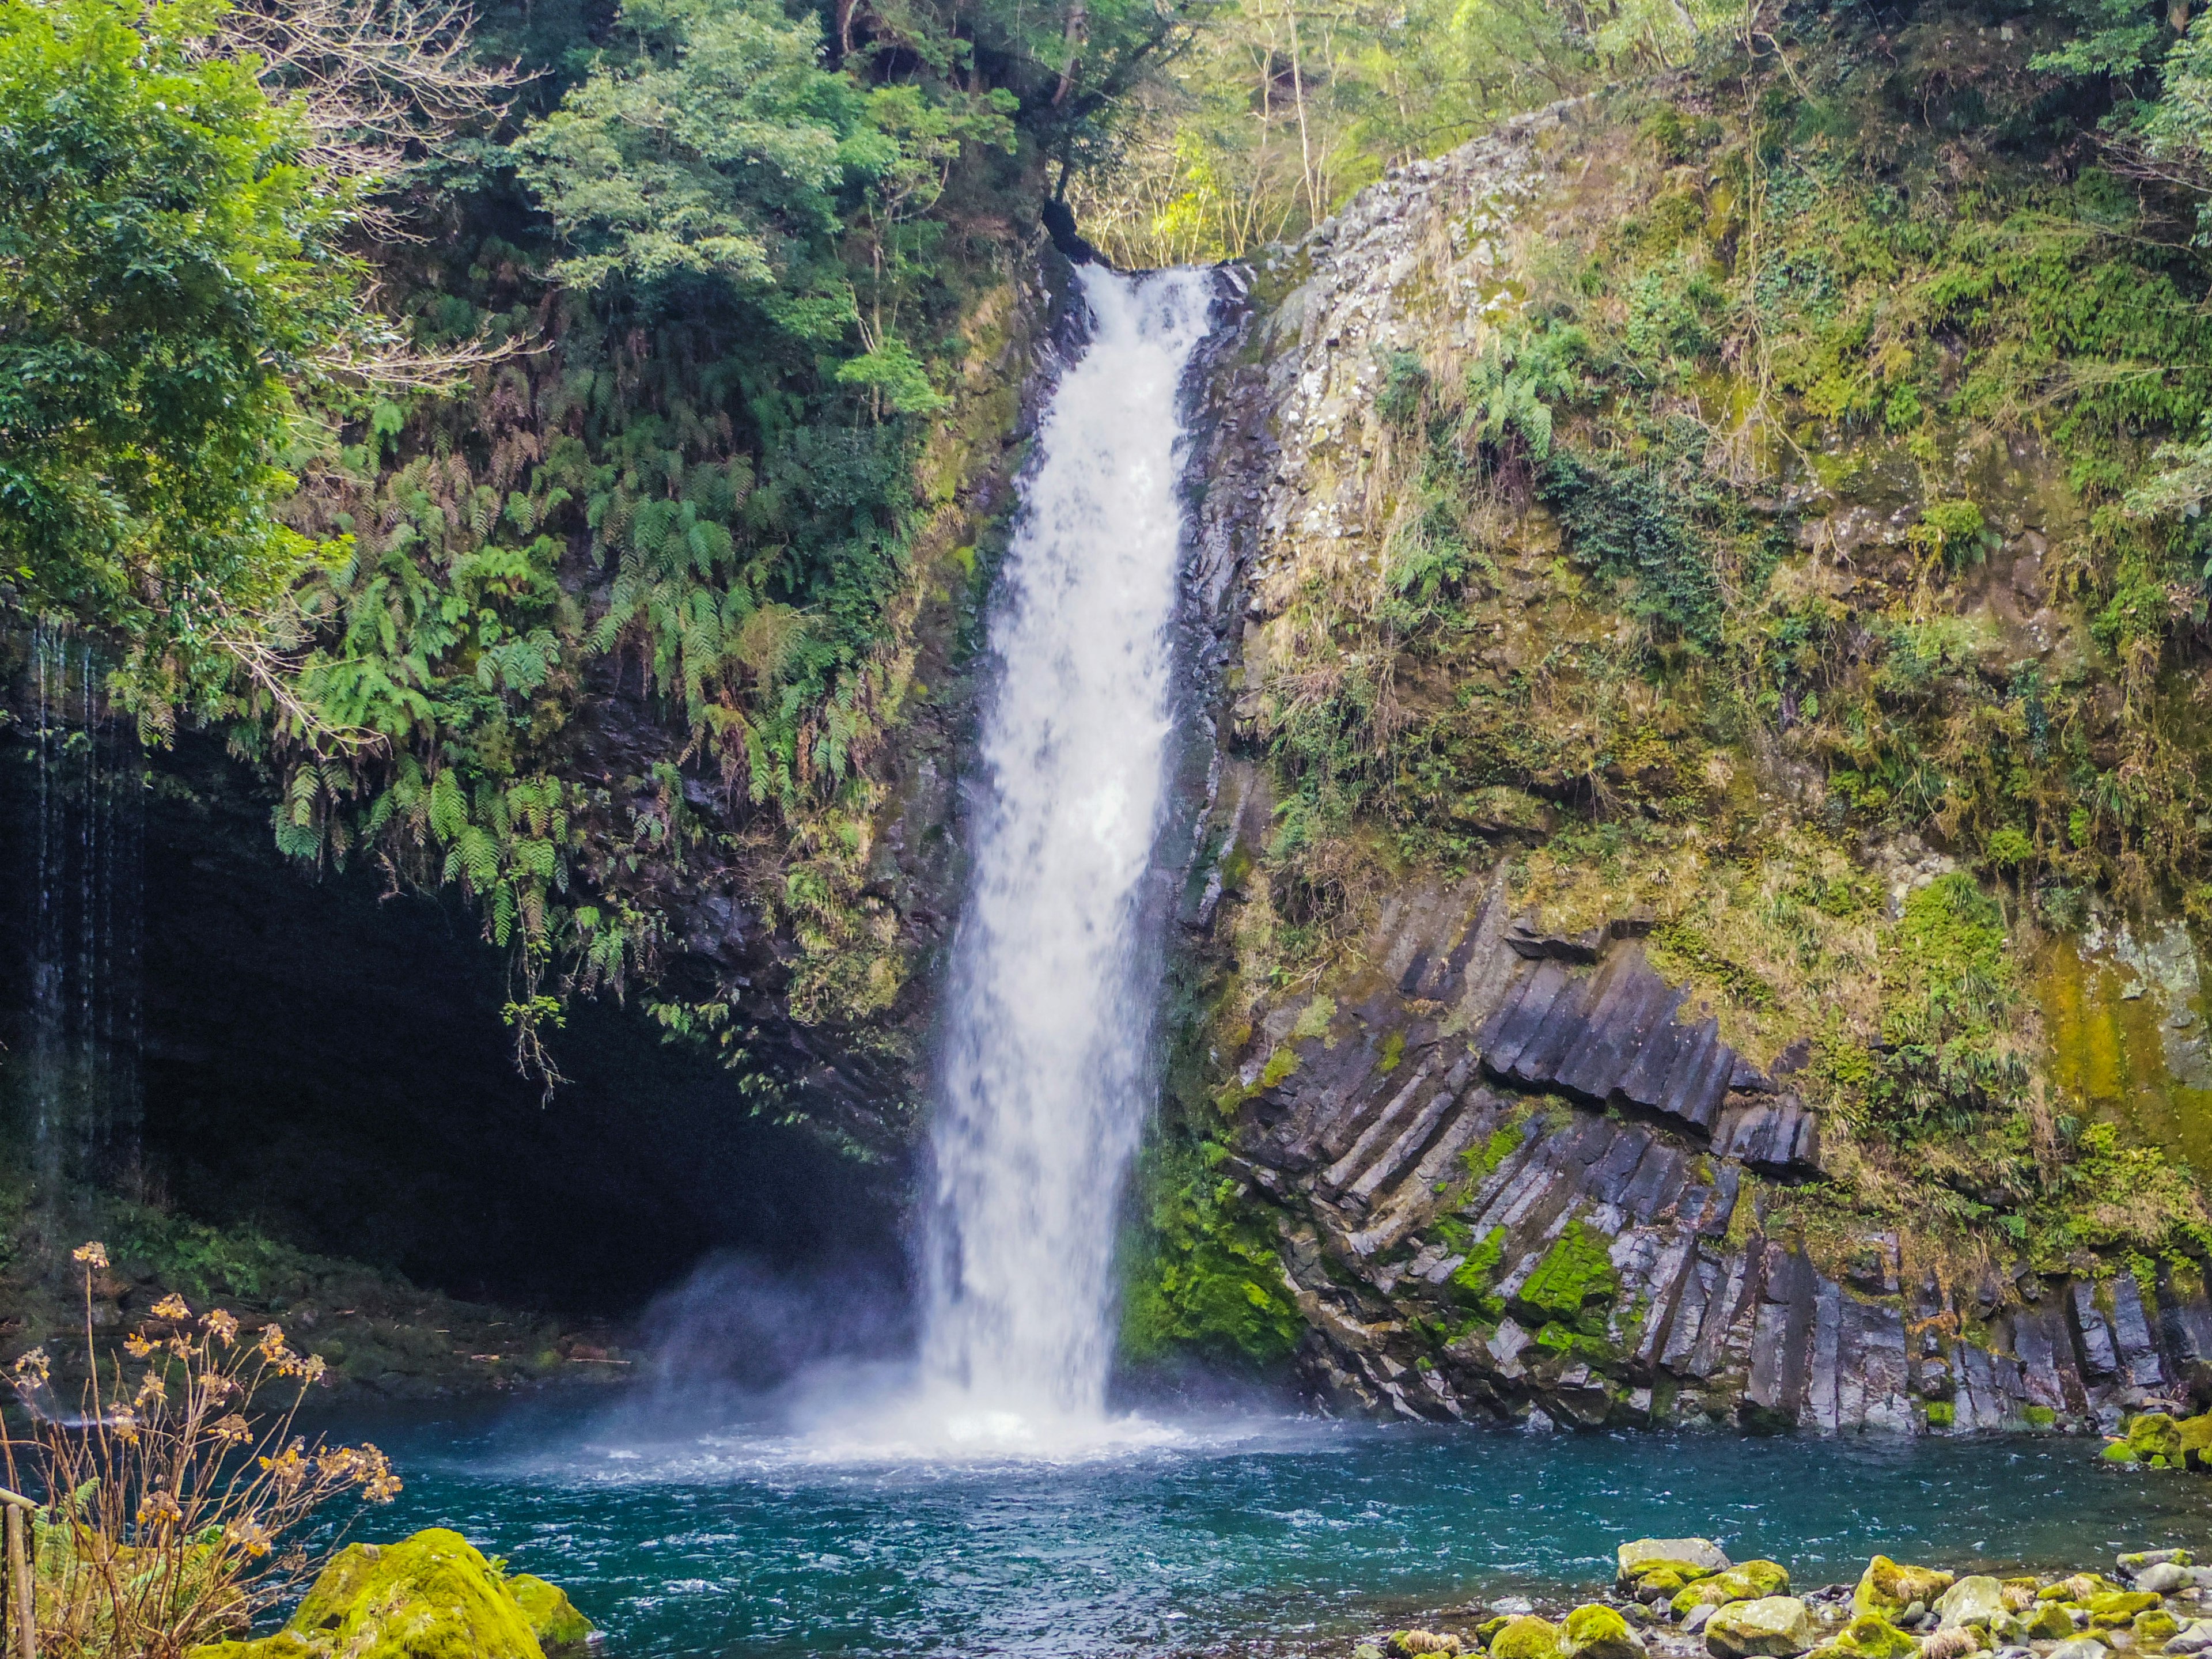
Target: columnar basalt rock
1522,1172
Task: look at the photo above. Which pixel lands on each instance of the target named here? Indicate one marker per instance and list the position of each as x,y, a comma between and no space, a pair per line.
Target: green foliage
1626,522
1204,1276
166,263
1947,988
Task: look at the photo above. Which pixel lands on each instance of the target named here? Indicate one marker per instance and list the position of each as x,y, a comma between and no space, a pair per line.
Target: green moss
2154,1629
553,1617
1745,1581
1471,1280
1941,1414
1595,1631
1279,1066
1394,1053
2041,1417
1202,1274
2154,1434
1574,1283
1526,1638
430,1596
1868,1636
1314,1019
2116,1607
1887,1588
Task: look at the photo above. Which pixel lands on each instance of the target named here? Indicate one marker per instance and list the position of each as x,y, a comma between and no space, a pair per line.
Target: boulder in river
1975,1600
1688,1558
1870,1636
1888,1587
1598,1632
1526,1638
432,1594
1747,1583
2048,1622
1772,1628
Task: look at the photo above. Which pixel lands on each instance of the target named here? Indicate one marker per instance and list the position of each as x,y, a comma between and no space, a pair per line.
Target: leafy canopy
166,267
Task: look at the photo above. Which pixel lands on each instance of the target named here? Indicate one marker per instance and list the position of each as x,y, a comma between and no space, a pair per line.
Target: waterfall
80,1083
1043,1079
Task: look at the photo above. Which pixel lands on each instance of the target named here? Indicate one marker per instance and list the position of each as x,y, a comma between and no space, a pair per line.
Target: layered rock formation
1515,1169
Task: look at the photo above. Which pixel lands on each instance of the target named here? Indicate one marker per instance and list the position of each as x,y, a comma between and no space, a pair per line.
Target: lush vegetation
1813,554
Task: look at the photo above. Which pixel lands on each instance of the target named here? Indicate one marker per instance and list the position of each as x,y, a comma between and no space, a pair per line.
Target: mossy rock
2155,1629
2154,1434
2118,1451
1974,1600
2048,1623
1660,1584
1690,1558
1746,1581
1870,1636
2196,1451
1772,1628
553,1617
1593,1631
1490,1627
282,1645
2118,1608
430,1596
2079,1587
1526,1638
1889,1587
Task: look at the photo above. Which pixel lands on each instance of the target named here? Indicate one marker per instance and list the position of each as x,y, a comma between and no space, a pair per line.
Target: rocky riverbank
1683,1598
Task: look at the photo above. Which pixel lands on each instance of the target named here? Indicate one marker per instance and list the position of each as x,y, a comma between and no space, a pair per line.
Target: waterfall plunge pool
1258,1536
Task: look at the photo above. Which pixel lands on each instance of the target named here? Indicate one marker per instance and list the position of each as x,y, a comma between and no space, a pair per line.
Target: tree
167,266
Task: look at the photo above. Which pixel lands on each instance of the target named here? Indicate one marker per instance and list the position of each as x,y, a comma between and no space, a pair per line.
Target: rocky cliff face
1554,1065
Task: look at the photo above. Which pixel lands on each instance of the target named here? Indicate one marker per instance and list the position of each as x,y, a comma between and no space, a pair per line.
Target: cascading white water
1042,1083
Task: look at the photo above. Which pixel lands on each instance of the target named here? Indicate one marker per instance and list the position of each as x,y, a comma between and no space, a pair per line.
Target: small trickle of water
1042,1084
81,1073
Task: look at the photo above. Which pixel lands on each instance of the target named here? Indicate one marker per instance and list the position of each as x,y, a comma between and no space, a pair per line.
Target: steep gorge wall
1511,1102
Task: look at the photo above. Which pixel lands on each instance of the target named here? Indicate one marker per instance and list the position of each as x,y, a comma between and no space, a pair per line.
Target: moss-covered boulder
2154,1629
1526,1638
1889,1587
2048,1621
1687,1559
1744,1583
2116,1607
1598,1632
430,1596
554,1619
2079,1587
1774,1626
1975,1600
1870,1636
2154,1434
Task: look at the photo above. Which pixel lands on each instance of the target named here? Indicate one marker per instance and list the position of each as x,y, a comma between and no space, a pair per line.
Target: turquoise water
1263,1536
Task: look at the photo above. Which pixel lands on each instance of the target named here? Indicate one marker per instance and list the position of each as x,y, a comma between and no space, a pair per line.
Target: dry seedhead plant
167,1511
